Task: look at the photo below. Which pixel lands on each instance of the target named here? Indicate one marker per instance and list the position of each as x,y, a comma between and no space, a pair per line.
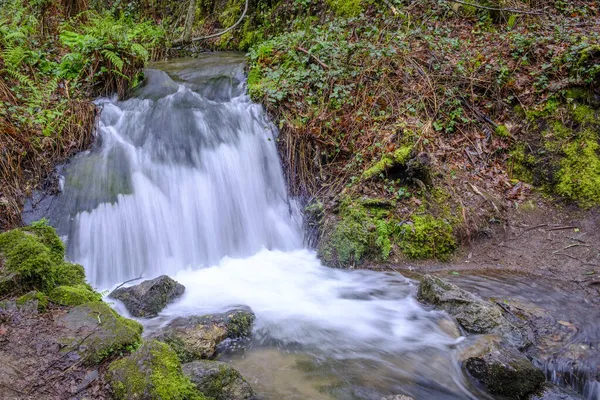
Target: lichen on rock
151,372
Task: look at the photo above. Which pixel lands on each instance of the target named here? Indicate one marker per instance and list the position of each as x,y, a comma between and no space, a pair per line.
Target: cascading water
185,180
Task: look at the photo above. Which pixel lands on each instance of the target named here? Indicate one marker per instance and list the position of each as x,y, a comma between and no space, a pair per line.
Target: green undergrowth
369,230
153,372
563,154
40,298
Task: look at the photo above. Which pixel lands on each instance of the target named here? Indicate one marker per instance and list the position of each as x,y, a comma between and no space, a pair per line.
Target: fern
114,59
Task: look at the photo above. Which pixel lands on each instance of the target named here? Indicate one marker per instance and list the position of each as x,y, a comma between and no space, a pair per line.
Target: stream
185,180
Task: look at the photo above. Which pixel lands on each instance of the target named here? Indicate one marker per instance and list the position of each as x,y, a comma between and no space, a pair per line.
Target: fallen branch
131,280
512,10
561,228
181,41
321,63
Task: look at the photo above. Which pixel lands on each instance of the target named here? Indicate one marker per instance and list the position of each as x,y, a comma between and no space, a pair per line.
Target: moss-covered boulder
149,297
95,331
197,337
33,259
152,372
39,300
505,371
218,380
474,314
73,295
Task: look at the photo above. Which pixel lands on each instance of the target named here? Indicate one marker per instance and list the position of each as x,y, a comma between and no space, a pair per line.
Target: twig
321,63
576,245
131,280
535,227
512,10
577,259
561,228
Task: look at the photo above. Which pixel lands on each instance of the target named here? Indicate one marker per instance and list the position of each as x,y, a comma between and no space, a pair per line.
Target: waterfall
185,172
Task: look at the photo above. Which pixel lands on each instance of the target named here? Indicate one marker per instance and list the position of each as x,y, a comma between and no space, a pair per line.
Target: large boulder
149,297
503,370
197,337
218,380
152,372
474,314
95,331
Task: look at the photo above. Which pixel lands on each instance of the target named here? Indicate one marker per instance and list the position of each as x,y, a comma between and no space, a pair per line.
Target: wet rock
95,331
553,392
197,337
218,380
504,370
397,397
474,314
152,372
149,297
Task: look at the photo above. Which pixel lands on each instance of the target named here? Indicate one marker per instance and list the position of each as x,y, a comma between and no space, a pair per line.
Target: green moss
579,175
522,163
73,295
110,332
225,377
346,8
361,232
427,237
34,261
153,372
397,158
240,324
42,300
502,131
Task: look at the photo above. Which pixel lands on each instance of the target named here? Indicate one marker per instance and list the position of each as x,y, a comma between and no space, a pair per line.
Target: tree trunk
189,21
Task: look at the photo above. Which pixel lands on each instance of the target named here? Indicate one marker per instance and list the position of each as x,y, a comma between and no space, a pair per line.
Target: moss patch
104,331
40,298
152,372
346,8
388,161
73,295
564,155
34,261
427,237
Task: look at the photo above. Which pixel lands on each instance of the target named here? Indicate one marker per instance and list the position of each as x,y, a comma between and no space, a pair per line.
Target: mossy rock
40,300
149,297
33,260
505,371
197,337
104,332
218,380
151,372
73,295
473,313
